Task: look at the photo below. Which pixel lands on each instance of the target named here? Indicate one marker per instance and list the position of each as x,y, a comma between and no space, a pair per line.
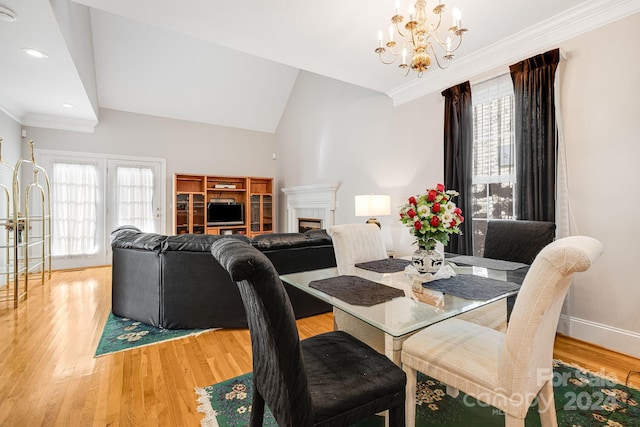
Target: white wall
188,147
335,132
601,111
11,141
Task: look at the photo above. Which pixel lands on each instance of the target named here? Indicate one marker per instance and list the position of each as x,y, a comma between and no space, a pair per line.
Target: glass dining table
400,317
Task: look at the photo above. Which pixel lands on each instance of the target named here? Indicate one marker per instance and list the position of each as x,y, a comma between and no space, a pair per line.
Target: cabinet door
261,213
183,220
267,213
199,213
256,213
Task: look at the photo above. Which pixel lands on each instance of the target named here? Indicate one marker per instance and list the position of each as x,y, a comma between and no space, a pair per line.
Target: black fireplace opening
306,224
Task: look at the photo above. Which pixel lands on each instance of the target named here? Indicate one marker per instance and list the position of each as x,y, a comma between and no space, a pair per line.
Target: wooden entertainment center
223,205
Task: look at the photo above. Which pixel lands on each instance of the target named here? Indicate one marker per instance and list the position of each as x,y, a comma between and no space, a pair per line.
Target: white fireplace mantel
311,201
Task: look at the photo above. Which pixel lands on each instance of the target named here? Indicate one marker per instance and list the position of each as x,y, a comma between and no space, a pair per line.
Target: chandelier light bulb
457,17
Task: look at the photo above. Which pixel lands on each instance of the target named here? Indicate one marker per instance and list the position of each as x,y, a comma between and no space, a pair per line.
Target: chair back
278,367
517,240
354,243
528,347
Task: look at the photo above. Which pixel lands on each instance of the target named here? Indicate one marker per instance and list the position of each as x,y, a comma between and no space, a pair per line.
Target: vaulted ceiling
235,63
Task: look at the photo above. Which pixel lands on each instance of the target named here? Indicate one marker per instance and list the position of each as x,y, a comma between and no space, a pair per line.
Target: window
74,209
134,194
493,174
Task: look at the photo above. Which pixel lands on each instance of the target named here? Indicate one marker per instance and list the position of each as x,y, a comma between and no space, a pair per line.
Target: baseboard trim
612,338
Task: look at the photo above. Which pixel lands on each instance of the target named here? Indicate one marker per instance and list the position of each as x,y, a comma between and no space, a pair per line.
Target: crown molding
8,111
60,123
544,35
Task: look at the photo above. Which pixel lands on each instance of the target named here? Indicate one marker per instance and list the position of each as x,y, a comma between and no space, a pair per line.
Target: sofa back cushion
276,241
135,239
196,242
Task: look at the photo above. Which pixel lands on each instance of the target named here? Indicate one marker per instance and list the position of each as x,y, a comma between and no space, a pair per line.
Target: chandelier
420,39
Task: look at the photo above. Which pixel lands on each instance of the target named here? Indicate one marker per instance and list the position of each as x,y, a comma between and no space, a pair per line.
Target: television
225,213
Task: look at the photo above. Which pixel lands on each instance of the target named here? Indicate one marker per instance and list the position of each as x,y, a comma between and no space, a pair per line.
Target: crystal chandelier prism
418,38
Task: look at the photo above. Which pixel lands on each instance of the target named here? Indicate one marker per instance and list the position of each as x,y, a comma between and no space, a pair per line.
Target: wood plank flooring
49,376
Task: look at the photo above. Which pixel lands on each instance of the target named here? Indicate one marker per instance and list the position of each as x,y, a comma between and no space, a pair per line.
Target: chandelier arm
395,58
459,38
435,28
442,67
403,35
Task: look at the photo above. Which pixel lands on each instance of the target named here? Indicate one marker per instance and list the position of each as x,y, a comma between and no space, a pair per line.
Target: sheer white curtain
494,168
134,197
74,209
563,213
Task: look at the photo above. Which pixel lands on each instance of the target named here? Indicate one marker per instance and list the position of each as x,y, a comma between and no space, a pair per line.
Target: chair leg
511,421
397,417
257,409
547,406
410,398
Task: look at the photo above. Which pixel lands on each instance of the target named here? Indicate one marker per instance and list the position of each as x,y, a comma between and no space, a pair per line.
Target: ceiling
235,63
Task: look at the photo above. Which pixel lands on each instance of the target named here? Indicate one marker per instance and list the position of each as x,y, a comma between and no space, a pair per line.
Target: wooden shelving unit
194,192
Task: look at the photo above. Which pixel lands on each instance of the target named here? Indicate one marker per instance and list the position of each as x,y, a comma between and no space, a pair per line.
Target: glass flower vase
427,259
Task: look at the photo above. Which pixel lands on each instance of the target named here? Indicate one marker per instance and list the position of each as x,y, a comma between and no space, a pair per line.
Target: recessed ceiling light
68,106
7,15
35,53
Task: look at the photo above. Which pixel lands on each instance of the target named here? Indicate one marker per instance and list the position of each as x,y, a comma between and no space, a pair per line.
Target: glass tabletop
402,315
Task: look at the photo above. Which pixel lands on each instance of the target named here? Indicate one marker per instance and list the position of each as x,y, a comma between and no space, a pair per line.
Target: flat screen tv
222,213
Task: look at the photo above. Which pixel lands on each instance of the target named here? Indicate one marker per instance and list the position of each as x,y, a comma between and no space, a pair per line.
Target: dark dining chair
331,379
517,240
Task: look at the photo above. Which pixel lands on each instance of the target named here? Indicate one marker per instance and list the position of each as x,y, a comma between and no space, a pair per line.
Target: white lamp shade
373,205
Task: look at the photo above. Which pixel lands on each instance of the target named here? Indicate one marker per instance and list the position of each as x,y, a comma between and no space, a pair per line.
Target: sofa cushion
132,239
320,235
279,241
275,241
196,242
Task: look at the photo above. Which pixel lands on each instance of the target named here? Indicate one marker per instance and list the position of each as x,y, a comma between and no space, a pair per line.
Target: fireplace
307,224
315,203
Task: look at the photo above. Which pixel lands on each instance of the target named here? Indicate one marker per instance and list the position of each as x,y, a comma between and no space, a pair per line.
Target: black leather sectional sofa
174,282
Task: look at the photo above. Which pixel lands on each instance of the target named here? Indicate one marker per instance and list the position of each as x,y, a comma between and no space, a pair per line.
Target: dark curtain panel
536,136
458,160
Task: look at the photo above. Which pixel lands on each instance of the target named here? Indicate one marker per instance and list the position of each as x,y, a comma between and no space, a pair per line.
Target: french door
93,194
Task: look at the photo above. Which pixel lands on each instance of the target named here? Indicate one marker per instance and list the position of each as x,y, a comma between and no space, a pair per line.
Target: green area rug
583,399
121,334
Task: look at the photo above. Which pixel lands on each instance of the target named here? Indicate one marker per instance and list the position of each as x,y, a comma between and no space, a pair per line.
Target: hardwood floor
49,376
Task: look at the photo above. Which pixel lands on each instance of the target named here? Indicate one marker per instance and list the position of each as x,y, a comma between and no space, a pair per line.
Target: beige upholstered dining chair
352,244
505,370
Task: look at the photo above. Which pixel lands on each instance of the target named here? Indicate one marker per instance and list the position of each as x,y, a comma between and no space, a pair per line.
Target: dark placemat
387,265
494,264
472,287
356,290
